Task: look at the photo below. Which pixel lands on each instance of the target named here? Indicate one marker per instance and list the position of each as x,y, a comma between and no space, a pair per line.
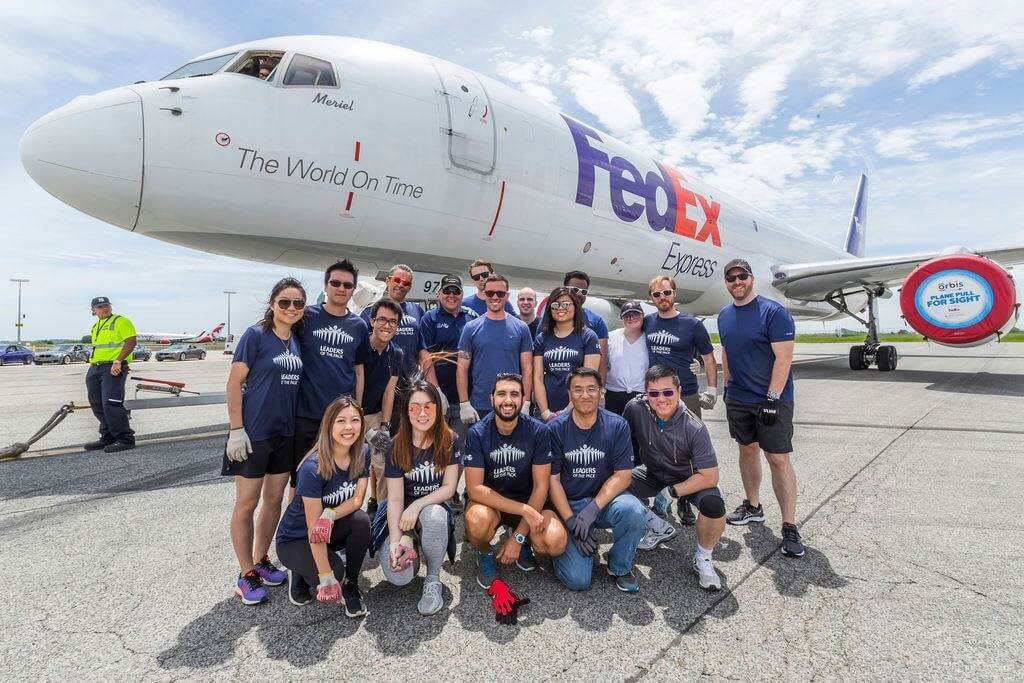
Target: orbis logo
633,194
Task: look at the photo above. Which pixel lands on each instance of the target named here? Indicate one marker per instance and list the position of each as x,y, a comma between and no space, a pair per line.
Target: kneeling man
507,457
675,449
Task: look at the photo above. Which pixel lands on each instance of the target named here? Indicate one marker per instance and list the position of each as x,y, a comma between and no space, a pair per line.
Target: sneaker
652,538
791,544
371,508
745,513
626,583
97,445
250,588
354,606
298,590
118,447
662,502
269,572
707,577
432,600
527,562
686,515
484,569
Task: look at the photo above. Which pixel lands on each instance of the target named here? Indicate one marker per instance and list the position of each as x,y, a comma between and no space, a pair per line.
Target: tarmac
120,567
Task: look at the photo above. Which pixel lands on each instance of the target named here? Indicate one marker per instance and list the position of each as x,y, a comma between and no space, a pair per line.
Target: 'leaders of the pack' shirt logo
340,495
333,335
582,460
661,341
291,363
561,353
505,460
407,326
425,478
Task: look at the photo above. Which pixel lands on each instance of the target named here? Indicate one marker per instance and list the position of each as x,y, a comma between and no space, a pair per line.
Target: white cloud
946,132
953,64
538,34
534,76
798,124
598,90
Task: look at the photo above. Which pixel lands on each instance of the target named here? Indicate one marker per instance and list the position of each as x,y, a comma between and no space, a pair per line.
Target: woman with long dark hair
563,344
326,515
262,390
422,470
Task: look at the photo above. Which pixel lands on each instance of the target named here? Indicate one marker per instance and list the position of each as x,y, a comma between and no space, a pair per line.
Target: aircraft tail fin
856,235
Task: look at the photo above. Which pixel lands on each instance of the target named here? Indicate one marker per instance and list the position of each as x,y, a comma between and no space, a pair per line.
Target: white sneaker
652,538
432,600
706,574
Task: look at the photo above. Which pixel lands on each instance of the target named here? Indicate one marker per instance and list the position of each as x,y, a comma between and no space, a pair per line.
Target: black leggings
351,533
616,401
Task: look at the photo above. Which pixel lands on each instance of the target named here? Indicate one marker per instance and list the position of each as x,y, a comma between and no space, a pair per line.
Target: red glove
321,532
506,603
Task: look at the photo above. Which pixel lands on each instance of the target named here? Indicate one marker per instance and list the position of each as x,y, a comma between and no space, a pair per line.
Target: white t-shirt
627,362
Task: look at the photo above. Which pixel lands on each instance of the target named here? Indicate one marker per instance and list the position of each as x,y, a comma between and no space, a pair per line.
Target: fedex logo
634,194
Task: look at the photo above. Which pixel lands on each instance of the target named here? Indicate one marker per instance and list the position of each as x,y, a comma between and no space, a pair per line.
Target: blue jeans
625,517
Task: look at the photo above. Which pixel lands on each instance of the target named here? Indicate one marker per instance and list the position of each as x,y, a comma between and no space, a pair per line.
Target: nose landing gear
871,352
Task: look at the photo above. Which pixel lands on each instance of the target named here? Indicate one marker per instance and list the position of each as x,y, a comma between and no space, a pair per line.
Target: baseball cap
101,301
451,281
737,263
632,306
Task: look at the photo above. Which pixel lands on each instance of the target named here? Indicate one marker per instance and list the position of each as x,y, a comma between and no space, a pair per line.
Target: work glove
581,522
587,546
329,589
548,416
708,398
323,527
239,447
768,411
402,553
467,413
378,439
506,603
696,367
526,408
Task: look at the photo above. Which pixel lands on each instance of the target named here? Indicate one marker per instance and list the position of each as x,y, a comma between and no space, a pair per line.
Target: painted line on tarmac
915,426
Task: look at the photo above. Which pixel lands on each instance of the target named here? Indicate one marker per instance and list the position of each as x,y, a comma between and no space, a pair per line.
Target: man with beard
507,457
407,338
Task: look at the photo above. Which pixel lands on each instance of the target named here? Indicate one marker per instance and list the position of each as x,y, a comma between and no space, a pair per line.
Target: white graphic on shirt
584,455
289,361
506,455
340,495
662,338
421,474
561,353
408,325
333,335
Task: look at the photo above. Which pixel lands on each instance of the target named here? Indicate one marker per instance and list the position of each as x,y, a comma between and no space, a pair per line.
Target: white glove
708,398
526,408
547,415
695,367
239,447
467,413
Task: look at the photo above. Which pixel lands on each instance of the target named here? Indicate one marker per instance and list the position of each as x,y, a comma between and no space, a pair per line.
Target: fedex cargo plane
297,150
168,337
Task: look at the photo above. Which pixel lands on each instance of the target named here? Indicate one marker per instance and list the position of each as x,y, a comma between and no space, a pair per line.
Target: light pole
229,293
18,324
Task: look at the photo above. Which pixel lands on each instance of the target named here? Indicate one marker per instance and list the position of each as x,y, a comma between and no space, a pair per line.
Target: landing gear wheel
886,358
857,361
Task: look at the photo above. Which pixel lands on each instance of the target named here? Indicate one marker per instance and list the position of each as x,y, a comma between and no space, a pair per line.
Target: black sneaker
745,513
686,515
354,606
298,590
118,447
371,508
791,544
97,445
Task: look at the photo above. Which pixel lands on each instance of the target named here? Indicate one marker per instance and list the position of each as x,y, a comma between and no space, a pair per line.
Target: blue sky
783,104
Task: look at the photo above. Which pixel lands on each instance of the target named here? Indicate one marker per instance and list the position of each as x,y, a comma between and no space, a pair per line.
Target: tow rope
15,450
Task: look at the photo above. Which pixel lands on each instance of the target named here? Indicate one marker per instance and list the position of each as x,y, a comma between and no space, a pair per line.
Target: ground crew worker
113,340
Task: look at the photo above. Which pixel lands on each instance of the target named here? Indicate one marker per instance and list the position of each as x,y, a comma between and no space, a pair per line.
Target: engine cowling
960,300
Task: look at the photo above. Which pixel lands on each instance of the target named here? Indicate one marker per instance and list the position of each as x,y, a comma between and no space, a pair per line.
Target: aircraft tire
857,358
886,358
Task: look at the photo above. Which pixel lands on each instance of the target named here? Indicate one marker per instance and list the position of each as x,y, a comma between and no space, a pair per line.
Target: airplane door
467,119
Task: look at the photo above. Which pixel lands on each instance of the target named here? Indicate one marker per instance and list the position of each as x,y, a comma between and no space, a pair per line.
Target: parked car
64,354
181,352
141,353
16,353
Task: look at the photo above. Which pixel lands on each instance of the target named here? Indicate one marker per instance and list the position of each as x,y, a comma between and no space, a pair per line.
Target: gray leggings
433,534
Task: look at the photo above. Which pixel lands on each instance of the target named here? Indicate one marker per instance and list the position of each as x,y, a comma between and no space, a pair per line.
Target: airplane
384,155
167,338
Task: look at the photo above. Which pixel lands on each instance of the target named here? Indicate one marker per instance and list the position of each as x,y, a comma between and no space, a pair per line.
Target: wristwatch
772,395
520,539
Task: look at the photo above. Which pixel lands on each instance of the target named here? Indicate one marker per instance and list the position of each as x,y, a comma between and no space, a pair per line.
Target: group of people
558,427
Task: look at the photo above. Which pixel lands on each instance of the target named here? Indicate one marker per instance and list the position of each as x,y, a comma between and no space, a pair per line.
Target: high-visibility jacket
107,337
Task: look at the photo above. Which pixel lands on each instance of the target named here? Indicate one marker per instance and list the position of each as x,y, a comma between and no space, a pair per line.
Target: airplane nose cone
88,154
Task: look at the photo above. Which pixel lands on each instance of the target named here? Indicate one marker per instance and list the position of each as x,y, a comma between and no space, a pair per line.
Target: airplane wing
816,281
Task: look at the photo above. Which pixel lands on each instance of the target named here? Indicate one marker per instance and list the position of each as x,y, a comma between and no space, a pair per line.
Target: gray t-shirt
673,452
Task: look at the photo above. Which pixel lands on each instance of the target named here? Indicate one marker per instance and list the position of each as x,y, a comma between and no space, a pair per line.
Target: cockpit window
303,70
203,67
260,64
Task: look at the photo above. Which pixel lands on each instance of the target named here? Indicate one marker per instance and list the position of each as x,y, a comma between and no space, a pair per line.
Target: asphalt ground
119,567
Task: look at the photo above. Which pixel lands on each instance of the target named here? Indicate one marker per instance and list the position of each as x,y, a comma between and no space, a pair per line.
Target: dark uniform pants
106,398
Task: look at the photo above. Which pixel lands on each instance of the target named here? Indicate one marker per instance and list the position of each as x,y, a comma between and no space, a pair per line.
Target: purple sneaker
269,573
250,589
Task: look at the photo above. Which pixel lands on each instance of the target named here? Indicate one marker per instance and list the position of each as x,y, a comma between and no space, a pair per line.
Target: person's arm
698,481
538,496
387,405
313,509
525,363
602,366
128,346
558,499
725,369
540,393
396,505
236,378
593,361
427,365
485,495
462,375
780,368
360,383
710,369
353,503
616,484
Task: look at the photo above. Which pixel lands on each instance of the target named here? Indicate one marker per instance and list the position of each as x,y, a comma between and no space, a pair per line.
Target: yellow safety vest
108,337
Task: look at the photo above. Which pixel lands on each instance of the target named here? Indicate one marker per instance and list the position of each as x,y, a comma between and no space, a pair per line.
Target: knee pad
712,507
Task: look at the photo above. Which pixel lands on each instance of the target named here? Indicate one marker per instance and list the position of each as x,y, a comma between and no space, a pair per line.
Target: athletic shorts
270,456
505,519
643,485
746,429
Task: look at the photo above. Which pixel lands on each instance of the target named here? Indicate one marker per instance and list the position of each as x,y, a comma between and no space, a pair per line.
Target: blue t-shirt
271,388
421,479
331,348
495,346
309,484
479,306
586,459
562,355
407,337
378,369
507,461
672,341
440,331
747,333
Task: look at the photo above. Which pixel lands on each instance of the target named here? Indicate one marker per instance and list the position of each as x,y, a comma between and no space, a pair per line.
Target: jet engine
960,300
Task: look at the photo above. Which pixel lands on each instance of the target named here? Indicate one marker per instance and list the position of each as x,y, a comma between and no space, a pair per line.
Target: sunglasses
427,407
585,391
742,277
401,282
667,393
386,322
339,283
285,304
667,292
579,291
451,291
495,294
481,276
560,305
